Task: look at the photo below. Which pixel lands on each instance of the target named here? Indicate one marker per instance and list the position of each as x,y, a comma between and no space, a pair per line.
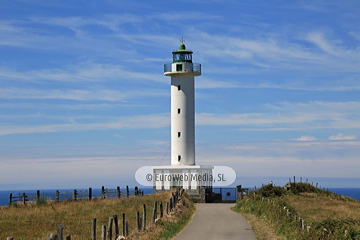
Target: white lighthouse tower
182,72
182,171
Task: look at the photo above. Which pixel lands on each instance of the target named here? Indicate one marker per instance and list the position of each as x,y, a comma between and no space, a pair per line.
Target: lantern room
182,55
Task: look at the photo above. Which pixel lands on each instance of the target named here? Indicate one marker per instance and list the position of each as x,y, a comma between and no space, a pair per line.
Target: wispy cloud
305,138
319,40
341,136
85,72
337,86
81,106
288,117
132,122
79,95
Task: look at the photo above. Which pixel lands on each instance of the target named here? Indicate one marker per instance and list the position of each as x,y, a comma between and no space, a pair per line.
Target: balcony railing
168,67
196,68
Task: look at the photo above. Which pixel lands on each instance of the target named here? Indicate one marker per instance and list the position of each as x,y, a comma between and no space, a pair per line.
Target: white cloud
305,138
356,35
84,72
131,122
286,117
79,95
78,106
318,39
341,136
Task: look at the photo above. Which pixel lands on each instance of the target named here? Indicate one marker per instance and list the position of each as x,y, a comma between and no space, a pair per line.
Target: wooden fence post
170,205
9,238
126,228
167,208
24,198
154,213
302,224
118,192
301,179
294,179
316,185
127,191
110,228
10,199
51,236
144,217
93,229
38,195
68,237
57,197
123,225
161,210
74,197
136,191
90,194
138,221
60,231
103,233
102,192
116,226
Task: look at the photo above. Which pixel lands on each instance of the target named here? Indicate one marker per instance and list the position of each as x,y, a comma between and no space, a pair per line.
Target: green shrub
270,191
298,188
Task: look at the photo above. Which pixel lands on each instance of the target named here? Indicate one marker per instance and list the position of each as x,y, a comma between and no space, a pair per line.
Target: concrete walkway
217,221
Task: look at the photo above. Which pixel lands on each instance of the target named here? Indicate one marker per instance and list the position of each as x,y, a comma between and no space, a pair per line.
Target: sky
84,102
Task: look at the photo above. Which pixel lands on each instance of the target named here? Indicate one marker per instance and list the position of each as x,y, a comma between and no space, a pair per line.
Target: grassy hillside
266,211
34,222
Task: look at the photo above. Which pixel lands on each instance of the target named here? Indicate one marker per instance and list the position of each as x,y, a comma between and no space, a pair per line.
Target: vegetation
319,209
173,227
34,221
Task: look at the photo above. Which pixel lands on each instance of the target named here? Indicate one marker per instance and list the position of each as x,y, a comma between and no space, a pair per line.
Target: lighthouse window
179,158
179,134
182,57
179,87
178,67
178,110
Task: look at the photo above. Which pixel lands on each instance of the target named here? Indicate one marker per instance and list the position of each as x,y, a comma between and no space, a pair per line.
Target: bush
298,188
270,191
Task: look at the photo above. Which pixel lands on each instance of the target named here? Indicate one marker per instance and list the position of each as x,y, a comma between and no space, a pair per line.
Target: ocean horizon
50,193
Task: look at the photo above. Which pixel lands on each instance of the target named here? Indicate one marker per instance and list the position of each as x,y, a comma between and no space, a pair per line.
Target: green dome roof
182,49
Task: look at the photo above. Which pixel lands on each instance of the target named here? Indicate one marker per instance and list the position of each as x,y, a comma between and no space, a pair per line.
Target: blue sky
84,102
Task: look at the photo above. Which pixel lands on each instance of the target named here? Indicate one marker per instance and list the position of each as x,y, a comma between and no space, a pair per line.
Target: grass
34,221
320,209
183,216
325,208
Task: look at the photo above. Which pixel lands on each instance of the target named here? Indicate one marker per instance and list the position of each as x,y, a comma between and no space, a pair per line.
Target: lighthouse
182,72
183,171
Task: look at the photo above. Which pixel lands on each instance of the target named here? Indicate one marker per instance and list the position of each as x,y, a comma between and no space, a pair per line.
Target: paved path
217,221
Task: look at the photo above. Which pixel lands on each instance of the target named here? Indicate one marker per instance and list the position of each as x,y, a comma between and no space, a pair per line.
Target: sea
50,193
